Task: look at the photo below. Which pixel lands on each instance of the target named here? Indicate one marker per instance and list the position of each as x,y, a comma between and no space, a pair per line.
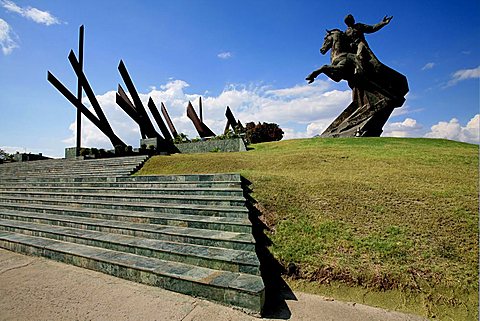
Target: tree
4,156
259,133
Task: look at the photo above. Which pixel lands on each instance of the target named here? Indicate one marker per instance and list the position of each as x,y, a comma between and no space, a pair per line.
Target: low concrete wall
213,145
24,157
70,152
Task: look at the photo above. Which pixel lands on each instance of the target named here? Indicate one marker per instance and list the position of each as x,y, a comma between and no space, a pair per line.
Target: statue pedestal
371,106
364,117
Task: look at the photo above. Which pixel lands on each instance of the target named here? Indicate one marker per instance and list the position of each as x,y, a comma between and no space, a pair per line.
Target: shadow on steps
277,291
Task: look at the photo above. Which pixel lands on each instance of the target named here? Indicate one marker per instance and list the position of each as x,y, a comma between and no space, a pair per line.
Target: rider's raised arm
371,29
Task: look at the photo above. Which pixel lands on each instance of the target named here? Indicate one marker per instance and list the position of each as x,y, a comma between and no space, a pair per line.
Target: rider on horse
349,48
355,32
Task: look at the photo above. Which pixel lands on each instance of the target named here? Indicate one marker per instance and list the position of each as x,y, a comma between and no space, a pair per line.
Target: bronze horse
342,58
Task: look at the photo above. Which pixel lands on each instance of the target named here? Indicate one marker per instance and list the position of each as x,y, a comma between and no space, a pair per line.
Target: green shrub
84,151
259,133
230,134
181,138
151,150
119,150
94,152
102,153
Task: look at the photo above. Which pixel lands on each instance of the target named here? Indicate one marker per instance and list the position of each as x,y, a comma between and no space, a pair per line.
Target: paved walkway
33,288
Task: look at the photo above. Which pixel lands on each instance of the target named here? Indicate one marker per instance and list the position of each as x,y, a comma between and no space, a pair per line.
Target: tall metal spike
201,128
88,89
156,115
231,121
168,120
200,108
79,91
144,119
107,130
124,102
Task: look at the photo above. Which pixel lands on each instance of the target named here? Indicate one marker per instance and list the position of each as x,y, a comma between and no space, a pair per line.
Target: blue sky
250,55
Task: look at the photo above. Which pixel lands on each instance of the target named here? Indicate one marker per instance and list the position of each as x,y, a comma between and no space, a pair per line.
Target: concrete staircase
54,168
186,233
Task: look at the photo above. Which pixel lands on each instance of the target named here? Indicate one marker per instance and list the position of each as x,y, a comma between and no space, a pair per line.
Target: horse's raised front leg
310,78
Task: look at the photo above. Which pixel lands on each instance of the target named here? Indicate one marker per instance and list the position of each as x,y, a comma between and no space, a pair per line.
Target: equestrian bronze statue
376,88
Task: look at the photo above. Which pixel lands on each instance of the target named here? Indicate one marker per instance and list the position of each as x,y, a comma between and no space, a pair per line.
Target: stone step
229,240
121,189
218,185
184,178
110,166
205,256
62,170
238,289
67,165
83,173
82,169
195,178
78,169
42,175
230,224
132,198
189,209
73,162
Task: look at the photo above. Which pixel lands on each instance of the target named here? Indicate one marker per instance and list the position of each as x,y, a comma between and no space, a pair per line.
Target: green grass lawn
386,221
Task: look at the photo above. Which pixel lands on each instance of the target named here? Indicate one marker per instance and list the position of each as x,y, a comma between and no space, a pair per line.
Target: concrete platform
34,288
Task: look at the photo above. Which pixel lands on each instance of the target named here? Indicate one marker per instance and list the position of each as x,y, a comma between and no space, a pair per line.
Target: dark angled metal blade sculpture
99,119
134,107
168,120
158,119
201,128
200,108
231,121
124,102
79,91
104,127
137,112
88,90
142,117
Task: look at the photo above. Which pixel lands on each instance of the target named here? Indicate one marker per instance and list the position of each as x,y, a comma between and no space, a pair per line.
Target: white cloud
34,14
428,66
290,133
405,110
300,90
313,129
453,130
301,111
15,149
463,75
407,128
6,38
225,55
316,128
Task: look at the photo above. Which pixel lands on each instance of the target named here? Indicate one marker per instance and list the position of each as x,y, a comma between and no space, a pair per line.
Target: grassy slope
399,216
